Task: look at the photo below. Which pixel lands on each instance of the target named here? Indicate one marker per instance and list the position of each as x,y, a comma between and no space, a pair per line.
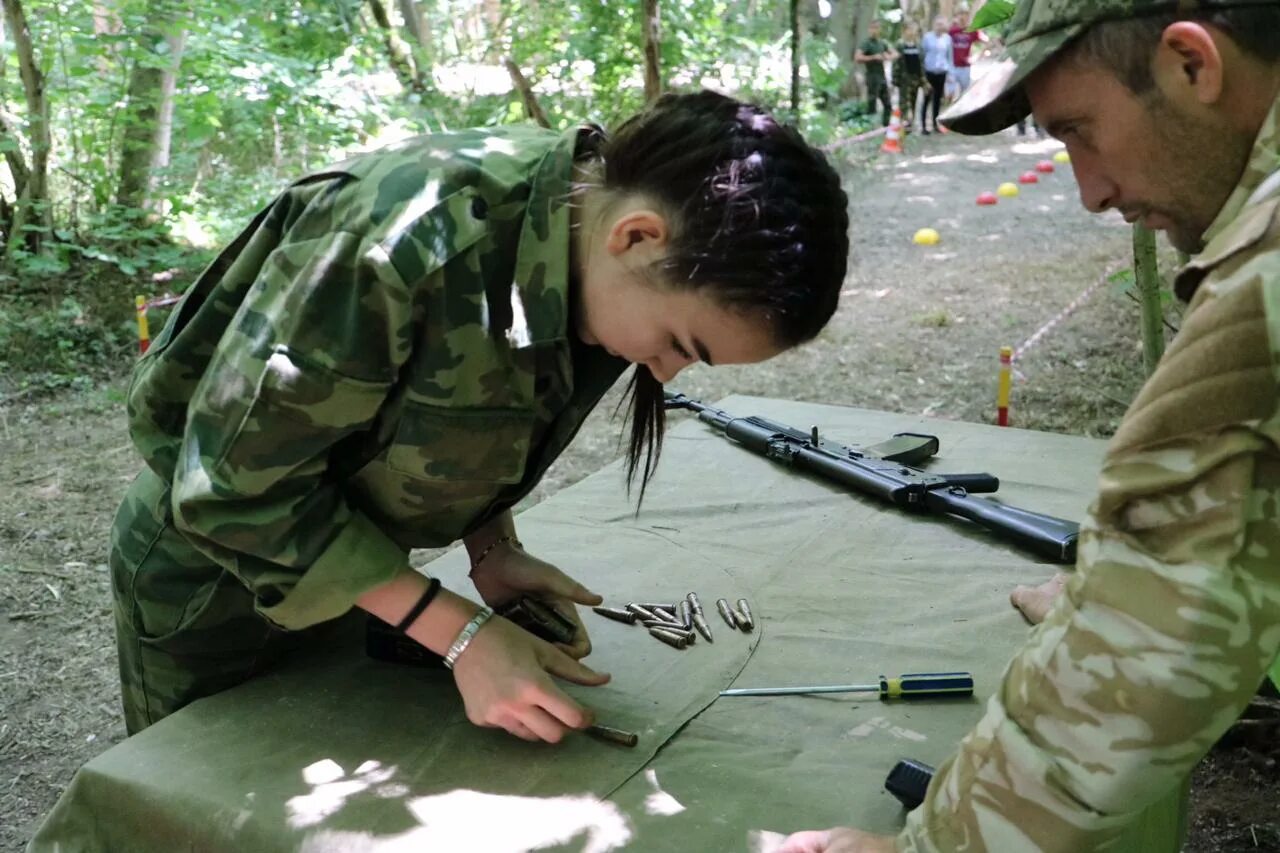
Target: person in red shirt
962,41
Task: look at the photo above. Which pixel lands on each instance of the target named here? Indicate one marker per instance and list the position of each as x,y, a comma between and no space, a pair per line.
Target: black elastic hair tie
428,595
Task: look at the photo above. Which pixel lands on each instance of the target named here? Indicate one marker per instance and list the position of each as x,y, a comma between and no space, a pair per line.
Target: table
343,753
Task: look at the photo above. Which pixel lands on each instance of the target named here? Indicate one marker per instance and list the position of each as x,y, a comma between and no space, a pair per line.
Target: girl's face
911,32
620,308
939,25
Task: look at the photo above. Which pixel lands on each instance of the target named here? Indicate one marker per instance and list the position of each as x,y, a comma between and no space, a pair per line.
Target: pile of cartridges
675,624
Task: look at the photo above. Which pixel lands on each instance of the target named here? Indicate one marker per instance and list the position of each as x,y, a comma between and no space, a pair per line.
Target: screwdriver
916,685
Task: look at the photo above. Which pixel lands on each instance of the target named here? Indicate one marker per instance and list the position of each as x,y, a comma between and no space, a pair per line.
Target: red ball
988,198
1045,166
1029,178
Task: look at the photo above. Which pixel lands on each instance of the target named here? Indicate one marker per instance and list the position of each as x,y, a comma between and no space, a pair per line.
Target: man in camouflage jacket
382,360
1172,618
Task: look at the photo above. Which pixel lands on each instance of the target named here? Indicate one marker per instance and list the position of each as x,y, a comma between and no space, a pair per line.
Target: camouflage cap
1038,30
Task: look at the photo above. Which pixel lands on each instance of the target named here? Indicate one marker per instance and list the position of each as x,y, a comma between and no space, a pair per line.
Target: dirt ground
918,331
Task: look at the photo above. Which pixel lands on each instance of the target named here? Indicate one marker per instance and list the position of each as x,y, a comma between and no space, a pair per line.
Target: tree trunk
410,77
415,25
652,42
532,109
164,121
33,204
143,137
18,169
795,59
1146,274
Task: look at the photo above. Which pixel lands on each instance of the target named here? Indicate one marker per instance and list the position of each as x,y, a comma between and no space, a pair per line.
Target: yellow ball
1062,157
926,237
1008,190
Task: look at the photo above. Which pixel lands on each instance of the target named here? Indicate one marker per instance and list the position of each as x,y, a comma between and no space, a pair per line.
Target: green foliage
269,90
60,346
994,13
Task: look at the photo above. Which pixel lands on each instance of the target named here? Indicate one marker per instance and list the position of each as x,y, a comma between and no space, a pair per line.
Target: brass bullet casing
641,611
685,613
700,622
647,606
694,603
670,628
616,615
668,613
662,623
747,621
612,735
722,604
674,640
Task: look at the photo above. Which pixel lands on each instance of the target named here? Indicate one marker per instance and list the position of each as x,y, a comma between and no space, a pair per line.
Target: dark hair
760,224
1126,47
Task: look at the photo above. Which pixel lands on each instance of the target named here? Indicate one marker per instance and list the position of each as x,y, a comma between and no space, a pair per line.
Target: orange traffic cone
893,138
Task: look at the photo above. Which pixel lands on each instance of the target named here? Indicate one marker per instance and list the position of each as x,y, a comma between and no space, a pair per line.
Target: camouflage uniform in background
1172,618
908,79
384,359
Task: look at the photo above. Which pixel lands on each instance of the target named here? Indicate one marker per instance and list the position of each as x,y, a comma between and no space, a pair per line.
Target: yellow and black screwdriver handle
926,685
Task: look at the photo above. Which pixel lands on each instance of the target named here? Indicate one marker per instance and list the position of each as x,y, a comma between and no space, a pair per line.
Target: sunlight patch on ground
660,802
935,159
983,157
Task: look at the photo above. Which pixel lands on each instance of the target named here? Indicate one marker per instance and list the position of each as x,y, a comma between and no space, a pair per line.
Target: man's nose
1097,192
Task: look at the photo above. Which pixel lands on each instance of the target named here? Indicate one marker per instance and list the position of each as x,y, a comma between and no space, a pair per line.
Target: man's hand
508,572
1035,602
841,839
504,677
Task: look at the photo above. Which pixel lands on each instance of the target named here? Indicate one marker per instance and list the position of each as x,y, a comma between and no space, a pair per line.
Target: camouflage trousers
185,627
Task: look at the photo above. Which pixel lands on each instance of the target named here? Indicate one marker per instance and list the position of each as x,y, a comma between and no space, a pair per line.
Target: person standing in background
872,53
938,64
908,72
962,42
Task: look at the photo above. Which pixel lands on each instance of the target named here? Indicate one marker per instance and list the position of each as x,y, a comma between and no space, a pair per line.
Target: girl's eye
680,351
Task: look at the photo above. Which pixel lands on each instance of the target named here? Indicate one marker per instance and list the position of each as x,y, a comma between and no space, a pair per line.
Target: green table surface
343,753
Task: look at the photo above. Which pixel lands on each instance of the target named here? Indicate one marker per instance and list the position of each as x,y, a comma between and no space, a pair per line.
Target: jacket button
479,208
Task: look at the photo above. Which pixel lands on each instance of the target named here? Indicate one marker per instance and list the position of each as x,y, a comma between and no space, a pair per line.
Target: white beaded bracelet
465,636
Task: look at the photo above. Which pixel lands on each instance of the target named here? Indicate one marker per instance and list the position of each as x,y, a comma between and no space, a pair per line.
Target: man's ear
637,228
1188,63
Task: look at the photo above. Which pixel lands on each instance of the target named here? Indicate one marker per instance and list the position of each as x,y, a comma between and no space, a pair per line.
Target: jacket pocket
462,450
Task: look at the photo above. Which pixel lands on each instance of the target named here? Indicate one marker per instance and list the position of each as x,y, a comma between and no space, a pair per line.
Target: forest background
137,135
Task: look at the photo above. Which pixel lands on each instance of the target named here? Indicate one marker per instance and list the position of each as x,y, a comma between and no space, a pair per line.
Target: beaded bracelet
501,540
465,636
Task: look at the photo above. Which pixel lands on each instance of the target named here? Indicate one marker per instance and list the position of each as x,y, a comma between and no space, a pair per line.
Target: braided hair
760,226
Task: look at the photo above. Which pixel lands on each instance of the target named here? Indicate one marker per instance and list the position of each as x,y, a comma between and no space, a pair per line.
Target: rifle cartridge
670,628
700,622
642,611
674,640
612,735
694,603
748,621
685,614
616,615
722,604
647,606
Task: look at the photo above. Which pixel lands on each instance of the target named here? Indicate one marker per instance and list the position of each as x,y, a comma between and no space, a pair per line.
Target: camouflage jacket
1173,615
382,360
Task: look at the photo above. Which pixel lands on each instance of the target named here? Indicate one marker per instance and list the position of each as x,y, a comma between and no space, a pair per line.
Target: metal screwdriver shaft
918,685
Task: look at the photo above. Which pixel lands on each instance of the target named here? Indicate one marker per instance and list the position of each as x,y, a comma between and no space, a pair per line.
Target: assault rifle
885,471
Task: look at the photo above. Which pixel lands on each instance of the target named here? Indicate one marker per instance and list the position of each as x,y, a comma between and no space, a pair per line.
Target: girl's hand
504,677
841,839
507,572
